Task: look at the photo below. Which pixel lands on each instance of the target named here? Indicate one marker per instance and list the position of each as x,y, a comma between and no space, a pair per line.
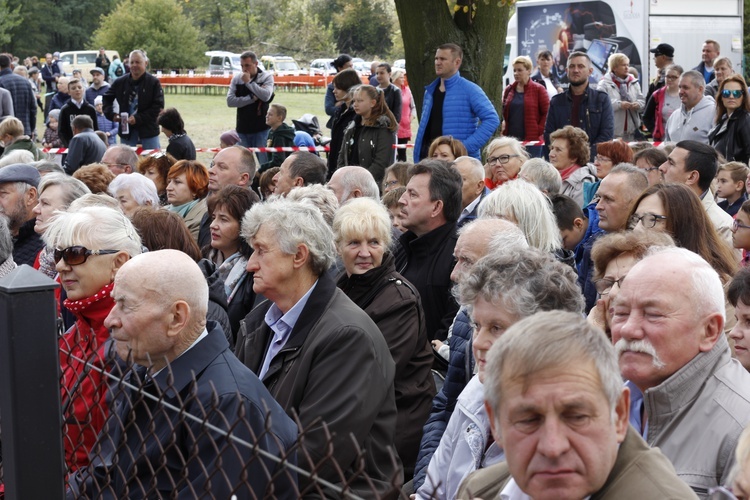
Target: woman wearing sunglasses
731,135
89,246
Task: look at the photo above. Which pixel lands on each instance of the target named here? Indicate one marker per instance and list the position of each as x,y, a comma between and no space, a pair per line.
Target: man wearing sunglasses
18,197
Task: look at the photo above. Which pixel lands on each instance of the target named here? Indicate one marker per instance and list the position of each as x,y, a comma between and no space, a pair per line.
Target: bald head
353,182
161,300
483,236
472,178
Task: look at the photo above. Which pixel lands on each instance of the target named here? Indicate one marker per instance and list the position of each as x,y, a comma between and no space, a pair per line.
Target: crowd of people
570,328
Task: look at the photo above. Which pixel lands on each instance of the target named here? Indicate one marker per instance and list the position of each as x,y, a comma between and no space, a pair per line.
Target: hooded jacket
692,124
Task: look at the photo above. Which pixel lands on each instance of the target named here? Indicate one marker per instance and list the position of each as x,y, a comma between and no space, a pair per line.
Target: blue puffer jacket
468,115
460,371
596,116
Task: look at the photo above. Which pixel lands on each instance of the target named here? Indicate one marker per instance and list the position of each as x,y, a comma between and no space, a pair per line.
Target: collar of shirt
77,103
470,207
195,342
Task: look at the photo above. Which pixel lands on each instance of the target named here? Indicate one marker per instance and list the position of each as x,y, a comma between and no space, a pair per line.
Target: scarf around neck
182,210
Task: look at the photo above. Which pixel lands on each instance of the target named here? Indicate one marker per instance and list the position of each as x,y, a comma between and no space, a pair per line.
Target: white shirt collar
470,207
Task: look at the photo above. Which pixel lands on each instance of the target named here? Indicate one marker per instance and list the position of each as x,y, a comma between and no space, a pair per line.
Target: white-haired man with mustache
688,396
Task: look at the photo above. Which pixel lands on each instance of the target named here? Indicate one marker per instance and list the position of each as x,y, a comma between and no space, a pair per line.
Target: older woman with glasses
731,135
505,157
608,154
89,246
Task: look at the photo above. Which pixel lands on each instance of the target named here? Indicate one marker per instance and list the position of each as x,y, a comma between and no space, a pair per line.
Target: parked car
322,67
281,65
400,63
220,61
85,60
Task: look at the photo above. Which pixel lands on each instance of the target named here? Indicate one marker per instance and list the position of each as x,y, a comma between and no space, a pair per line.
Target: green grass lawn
207,116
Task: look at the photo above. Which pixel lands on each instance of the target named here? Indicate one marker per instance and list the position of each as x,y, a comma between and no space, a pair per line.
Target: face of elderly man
272,269
658,326
225,170
558,431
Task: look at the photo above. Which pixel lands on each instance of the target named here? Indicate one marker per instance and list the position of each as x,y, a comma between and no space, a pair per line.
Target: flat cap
20,172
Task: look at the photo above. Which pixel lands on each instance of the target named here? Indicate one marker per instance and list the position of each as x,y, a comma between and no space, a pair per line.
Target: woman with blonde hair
525,106
370,137
446,148
626,96
505,157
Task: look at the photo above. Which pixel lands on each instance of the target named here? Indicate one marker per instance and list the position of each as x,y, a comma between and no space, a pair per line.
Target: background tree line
176,33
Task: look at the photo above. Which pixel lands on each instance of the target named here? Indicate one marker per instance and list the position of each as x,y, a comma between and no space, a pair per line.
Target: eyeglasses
502,159
726,93
78,254
604,285
648,220
390,183
602,159
738,225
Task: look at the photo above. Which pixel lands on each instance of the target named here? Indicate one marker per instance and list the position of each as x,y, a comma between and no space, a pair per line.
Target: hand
246,77
131,120
436,344
597,315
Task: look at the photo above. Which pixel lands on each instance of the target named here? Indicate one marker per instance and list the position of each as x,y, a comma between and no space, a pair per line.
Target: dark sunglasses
726,93
78,254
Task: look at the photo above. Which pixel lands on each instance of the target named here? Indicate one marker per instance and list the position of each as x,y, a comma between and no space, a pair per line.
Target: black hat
663,49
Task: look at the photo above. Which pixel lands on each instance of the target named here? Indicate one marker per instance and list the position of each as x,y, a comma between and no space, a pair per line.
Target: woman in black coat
343,115
731,135
362,232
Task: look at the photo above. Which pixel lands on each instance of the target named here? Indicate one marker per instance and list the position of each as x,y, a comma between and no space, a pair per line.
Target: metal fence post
33,460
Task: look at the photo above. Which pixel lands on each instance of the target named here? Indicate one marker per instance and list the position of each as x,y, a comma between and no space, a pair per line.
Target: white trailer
632,27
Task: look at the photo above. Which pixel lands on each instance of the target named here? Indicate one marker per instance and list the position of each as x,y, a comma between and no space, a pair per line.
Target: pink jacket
407,102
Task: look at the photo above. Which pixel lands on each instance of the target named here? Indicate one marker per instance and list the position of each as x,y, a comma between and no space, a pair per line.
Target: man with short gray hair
320,355
542,174
696,116
353,182
18,197
473,189
140,97
557,405
689,397
120,159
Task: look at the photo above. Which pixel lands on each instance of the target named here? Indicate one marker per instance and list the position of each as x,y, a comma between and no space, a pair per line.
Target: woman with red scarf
88,245
569,153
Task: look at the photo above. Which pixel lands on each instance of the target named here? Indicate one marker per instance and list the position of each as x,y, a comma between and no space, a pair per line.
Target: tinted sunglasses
726,93
78,254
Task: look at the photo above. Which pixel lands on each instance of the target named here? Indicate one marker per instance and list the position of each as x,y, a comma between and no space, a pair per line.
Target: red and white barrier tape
146,152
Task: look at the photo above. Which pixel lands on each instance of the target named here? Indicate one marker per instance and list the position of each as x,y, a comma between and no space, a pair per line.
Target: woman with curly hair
569,153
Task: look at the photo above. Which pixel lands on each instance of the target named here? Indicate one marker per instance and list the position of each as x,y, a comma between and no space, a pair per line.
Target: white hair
17,156
293,223
354,177
523,203
477,169
707,291
6,240
71,187
542,174
142,189
318,196
96,228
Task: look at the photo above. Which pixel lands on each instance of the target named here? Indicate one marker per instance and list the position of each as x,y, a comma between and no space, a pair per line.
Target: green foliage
364,26
160,27
9,19
300,31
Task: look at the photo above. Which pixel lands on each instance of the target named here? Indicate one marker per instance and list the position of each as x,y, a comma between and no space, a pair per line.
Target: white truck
631,27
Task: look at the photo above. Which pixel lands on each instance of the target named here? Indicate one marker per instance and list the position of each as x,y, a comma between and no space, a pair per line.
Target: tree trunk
425,24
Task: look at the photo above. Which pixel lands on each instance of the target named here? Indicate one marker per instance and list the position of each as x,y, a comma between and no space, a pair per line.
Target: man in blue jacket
454,106
582,105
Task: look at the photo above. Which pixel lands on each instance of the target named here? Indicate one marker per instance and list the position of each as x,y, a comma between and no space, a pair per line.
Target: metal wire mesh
171,441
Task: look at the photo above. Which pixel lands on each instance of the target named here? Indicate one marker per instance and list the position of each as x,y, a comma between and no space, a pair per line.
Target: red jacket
83,392
659,126
535,106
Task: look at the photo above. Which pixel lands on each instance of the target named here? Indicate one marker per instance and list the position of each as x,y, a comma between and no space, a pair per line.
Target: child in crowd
741,232
730,185
390,200
51,140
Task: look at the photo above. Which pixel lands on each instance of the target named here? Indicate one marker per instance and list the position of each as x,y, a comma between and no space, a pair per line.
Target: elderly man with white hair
6,248
133,191
473,189
353,182
159,323
688,396
320,355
